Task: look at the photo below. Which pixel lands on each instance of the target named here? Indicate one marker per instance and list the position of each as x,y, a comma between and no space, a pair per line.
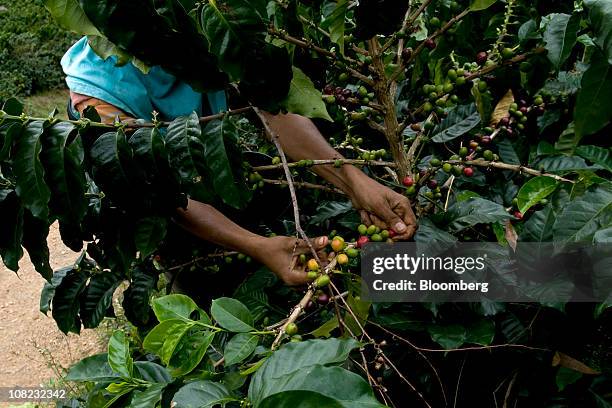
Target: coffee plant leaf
597,155
475,211
70,16
600,14
11,234
35,233
580,219
202,394
147,398
65,305
560,34
29,171
539,226
137,296
149,233
224,160
239,347
97,297
459,122
342,386
300,399
477,5
293,357
178,306
535,190
232,315
592,112
119,357
304,99
190,351
155,339
151,372
92,368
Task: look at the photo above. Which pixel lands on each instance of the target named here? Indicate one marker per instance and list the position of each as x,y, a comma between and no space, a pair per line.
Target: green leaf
603,236
149,233
35,232
593,110
154,341
507,152
149,371
98,297
432,240
566,376
11,233
342,386
29,171
171,339
202,394
65,304
231,26
449,337
580,219
560,34
334,24
293,357
475,211
147,398
239,348
304,99
329,209
190,351
220,139
600,14
534,190
119,358
65,177
114,170
597,155
562,164
136,297
177,306
232,315
483,101
8,134
186,153
458,122
92,368
46,295
70,16
477,5
482,332
299,399
538,228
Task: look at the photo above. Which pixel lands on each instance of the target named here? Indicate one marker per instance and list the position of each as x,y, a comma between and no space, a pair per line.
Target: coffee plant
491,116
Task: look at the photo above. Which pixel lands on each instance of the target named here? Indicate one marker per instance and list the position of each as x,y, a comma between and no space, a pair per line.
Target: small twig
323,162
511,61
459,381
302,184
513,167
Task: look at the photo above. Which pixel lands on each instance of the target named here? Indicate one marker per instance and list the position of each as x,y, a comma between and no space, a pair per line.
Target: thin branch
512,167
299,184
325,162
511,61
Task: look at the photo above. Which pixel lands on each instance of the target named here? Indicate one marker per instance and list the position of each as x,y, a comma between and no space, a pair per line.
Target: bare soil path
32,349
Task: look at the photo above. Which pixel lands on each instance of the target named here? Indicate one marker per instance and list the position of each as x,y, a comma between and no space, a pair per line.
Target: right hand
281,255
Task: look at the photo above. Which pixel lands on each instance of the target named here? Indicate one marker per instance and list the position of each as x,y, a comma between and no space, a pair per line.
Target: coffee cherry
406,53
291,329
434,162
342,259
352,253
384,234
485,140
322,281
337,244
447,167
463,152
431,44
410,191
468,172
362,229
362,241
432,184
482,86
435,22
505,121
452,74
538,101
313,265
408,181
323,299
312,275
376,238
343,77
461,81
427,107
448,88
488,155
457,170
481,57
473,144
507,53
371,229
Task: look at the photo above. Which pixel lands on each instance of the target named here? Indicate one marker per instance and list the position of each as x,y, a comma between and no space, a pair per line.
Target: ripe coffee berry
518,215
431,44
342,259
468,172
362,241
313,265
337,244
408,181
323,299
481,57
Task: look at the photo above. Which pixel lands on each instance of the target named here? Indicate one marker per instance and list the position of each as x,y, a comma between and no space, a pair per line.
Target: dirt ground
32,349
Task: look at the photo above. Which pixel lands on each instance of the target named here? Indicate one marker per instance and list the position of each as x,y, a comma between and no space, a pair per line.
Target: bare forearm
207,223
301,139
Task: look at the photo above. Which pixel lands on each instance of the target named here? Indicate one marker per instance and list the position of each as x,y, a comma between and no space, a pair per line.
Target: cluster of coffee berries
374,234
373,154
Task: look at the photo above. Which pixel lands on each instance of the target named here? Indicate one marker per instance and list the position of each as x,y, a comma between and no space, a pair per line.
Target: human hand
281,255
383,207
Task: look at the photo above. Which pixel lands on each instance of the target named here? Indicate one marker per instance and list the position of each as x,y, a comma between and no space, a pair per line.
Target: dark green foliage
31,46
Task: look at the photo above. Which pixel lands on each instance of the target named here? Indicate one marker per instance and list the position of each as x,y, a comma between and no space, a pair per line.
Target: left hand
383,207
